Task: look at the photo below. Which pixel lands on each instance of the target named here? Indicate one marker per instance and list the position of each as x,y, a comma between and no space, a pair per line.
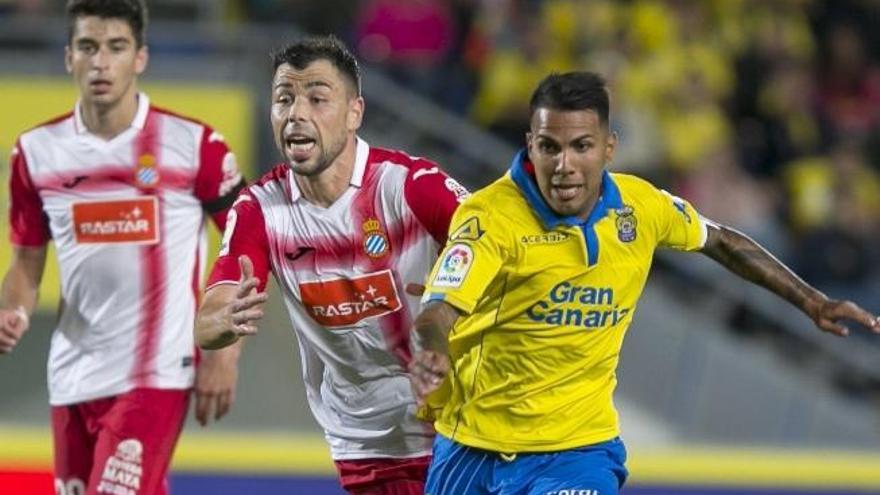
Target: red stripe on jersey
152,269
110,177
366,206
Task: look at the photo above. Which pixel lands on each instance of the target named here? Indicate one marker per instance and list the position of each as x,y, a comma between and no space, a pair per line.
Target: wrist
23,314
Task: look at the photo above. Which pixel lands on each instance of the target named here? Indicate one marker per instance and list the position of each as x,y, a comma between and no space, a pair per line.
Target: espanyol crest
146,174
375,240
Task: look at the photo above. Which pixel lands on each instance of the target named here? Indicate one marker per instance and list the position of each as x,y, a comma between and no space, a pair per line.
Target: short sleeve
28,223
218,180
681,227
245,234
433,197
470,262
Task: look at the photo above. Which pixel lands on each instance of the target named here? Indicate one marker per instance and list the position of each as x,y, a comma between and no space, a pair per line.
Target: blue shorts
592,470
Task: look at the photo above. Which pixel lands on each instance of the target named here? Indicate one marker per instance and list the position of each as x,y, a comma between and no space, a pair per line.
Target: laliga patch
469,231
375,240
461,193
127,221
626,224
146,174
454,267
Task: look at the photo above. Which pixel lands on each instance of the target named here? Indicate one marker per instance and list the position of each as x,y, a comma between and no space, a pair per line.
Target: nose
101,58
299,110
563,165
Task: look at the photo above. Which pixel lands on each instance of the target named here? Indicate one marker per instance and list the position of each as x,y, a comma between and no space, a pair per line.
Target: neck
107,121
327,186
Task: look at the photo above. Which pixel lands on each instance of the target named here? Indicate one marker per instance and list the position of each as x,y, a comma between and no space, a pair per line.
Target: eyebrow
93,41
572,140
309,85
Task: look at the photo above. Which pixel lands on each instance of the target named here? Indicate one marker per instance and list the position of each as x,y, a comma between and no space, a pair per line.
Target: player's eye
548,147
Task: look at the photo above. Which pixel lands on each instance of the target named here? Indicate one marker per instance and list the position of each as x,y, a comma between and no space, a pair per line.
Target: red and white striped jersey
126,216
342,271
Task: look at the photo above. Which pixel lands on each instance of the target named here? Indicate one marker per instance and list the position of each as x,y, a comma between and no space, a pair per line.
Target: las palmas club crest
146,174
375,240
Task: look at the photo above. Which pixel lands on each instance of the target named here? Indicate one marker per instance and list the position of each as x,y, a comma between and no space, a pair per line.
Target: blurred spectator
849,94
409,38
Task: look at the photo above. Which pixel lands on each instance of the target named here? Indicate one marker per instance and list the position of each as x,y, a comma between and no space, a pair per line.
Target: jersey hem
525,447
67,401
355,456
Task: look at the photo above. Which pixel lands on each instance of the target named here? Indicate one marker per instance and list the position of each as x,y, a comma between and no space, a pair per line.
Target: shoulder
180,123
636,190
54,128
412,164
501,199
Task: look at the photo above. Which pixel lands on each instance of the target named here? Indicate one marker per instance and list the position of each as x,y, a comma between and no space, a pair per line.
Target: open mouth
299,146
566,192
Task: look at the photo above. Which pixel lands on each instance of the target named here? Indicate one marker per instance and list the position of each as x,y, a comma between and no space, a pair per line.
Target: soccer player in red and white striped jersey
122,188
344,227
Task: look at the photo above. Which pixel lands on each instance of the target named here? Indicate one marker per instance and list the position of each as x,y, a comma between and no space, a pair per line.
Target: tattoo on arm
433,325
746,258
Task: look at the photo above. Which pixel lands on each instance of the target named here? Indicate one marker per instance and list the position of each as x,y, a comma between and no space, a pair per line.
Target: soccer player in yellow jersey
528,305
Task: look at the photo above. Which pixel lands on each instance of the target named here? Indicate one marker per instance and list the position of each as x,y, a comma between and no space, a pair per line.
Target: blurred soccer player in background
122,188
528,305
343,227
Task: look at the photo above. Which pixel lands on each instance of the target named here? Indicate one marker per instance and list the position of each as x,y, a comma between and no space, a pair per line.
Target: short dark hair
134,12
573,91
301,54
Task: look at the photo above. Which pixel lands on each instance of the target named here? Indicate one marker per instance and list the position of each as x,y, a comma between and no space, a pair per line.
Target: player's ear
355,113
141,59
610,146
68,59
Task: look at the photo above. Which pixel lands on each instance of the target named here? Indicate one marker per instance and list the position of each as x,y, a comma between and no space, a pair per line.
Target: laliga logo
455,260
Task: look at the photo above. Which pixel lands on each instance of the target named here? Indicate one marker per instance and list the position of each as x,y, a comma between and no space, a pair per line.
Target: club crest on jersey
375,240
146,174
626,223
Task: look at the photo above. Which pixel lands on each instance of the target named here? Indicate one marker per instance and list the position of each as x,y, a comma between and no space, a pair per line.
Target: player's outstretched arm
430,365
18,295
230,311
744,257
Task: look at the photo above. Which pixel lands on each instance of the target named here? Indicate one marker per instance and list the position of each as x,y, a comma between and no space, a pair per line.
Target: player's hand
13,324
246,308
427,371
830,314
216,379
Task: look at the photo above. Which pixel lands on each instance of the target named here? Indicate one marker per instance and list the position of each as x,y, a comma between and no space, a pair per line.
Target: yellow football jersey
546,303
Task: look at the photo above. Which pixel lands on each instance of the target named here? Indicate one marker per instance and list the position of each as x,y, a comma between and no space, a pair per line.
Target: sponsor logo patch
134,221
454,267
469,231
461,193
123,470
344,302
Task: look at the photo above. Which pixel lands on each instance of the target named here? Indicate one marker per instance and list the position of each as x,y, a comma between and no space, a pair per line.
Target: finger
852,311
203,407
833,328
249,302
246,317
224,401
246,286
246,266
415,289
245,330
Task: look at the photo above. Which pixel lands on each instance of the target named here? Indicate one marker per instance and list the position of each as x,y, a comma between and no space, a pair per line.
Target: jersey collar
522,173
140,117
362,153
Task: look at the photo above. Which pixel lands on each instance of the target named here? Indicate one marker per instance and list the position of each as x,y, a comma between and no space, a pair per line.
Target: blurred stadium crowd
766,114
